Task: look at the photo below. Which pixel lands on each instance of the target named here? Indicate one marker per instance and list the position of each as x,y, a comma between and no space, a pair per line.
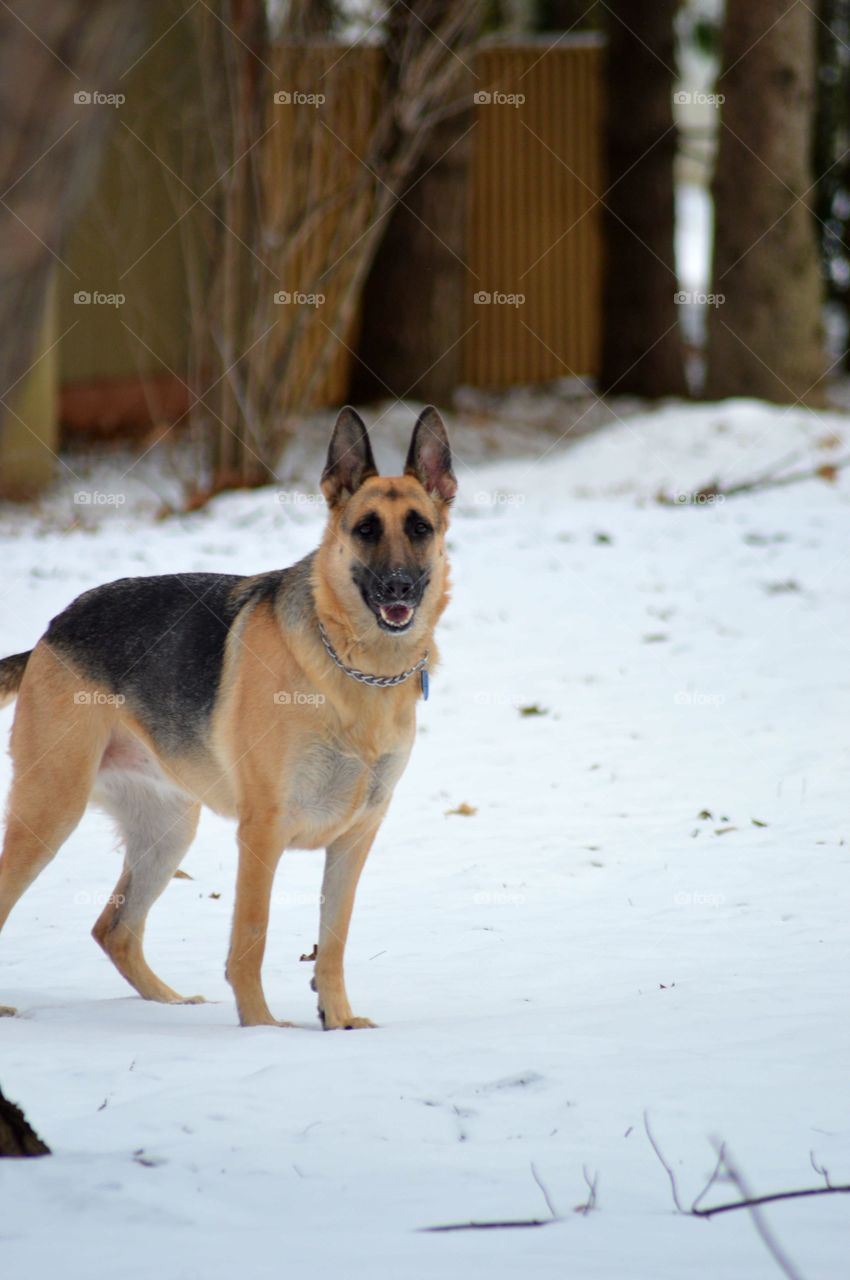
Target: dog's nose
399,585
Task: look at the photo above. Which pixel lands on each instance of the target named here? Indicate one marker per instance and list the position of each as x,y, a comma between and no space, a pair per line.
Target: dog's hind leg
158,824
57,742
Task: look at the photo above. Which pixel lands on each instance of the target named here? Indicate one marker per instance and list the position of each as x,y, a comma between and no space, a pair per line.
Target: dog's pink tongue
397,612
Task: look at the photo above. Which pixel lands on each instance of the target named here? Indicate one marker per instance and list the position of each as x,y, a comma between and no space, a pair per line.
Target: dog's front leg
261,843
344,861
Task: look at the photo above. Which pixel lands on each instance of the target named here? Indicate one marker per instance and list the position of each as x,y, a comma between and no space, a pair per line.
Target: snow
580,951
693,236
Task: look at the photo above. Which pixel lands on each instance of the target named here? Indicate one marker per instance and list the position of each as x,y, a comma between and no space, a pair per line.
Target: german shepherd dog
286,700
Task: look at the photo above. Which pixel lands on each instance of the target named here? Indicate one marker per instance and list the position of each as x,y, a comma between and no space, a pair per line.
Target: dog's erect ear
429,458
349,460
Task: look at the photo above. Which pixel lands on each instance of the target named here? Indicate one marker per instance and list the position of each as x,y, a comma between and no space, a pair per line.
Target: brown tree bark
765,337
413,303
50,144
17,1137
641,343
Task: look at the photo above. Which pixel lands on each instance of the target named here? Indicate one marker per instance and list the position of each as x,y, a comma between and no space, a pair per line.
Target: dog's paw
266,1022
349,1023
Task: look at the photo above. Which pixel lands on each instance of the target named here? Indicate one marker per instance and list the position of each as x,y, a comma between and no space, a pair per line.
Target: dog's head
384,545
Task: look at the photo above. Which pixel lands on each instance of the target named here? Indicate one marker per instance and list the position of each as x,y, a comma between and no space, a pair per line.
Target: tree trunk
17,1137
641,342
765,336
50,54
413,303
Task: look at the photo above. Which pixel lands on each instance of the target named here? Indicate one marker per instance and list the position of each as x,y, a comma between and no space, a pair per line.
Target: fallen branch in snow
769,1199
510,1223
767,480
747,1202
491,1226
725,1168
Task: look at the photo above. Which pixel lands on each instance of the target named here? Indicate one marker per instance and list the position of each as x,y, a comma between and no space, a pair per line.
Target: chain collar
382,682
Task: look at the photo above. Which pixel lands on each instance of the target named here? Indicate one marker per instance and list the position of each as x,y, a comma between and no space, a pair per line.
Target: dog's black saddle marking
160,642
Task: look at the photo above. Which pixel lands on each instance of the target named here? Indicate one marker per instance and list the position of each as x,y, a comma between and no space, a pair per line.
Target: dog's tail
11,674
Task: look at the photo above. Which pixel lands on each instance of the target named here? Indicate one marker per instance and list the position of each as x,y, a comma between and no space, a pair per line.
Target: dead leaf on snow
150,1162
464,810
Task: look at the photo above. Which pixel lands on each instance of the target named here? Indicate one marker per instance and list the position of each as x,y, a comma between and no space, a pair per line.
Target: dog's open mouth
396,616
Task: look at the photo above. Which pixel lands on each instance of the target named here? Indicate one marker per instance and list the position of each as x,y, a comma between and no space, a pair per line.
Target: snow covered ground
646,913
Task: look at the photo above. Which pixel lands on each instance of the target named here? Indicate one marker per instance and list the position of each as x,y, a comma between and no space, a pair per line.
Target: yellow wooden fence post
29,430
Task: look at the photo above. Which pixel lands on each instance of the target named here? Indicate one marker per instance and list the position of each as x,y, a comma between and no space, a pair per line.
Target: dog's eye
368,529
417,527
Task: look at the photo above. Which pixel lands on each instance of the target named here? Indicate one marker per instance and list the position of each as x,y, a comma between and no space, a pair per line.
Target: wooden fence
533,235
534,227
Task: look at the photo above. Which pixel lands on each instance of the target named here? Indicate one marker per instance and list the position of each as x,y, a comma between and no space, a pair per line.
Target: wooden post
29,427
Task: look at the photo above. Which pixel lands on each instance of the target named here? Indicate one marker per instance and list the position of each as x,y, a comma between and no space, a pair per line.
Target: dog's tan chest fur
328,789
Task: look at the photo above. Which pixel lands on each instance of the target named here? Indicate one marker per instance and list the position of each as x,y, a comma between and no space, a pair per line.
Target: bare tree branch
590,1202
726,1169
549,1205
712,1181
824,1173
767,480
670,1174
751,1203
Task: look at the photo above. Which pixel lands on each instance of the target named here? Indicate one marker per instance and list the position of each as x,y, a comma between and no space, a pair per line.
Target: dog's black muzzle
394,597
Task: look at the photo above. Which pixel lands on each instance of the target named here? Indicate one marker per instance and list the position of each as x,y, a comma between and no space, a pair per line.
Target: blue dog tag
424,683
